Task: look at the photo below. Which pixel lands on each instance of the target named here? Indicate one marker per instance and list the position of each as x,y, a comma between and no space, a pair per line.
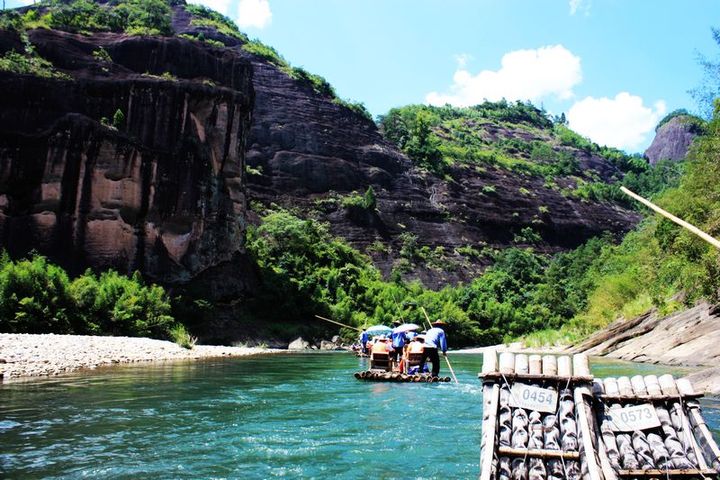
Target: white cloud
621,122
580,6
523,75
463,59
253,13
217,5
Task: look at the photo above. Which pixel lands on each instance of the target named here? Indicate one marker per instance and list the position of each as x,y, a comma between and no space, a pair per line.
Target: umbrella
378,330
406,327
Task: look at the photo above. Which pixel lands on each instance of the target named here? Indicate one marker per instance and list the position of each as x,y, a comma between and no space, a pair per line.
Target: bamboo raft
547,418
671,440
551,442
384,376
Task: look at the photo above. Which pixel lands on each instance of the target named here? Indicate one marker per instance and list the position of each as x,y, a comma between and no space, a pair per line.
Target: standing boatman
398,342
364,337
434,340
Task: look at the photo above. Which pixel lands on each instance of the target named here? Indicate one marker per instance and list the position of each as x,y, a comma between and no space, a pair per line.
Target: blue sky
615,67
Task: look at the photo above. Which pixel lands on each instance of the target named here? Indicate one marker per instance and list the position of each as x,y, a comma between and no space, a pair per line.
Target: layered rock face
311,153
673,140
308,152
163,192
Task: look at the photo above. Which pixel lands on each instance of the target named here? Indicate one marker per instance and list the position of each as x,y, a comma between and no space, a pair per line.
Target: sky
614,67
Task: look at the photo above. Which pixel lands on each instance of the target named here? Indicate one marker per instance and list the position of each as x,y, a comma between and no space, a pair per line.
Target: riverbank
27,355
689,338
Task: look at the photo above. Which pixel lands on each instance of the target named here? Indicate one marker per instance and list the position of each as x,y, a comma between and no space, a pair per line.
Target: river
293,416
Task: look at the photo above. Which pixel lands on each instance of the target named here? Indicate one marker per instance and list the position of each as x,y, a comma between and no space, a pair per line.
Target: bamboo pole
582,409
711,240
537,453
338,323
535,365
489,361
700,430
491,394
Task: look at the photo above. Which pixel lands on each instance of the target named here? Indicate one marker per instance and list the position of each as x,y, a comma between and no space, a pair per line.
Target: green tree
422,145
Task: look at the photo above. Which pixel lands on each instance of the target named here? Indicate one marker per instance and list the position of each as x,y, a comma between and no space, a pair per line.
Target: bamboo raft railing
594,429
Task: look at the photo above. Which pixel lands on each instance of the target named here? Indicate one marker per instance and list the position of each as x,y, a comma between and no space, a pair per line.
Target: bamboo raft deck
547,418
397,377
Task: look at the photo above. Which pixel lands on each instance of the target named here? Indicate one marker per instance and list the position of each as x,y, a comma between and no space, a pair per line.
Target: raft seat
380,361
412,360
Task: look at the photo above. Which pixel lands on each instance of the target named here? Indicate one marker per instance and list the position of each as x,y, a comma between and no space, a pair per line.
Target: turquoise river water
292,416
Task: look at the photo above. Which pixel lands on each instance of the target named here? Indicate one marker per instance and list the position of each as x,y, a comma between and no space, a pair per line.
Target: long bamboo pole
338,323
447,360
711,240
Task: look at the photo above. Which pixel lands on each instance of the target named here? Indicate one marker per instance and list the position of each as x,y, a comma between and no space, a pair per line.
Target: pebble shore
27,355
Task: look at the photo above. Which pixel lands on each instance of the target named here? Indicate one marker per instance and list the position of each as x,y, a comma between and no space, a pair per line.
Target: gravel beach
26,355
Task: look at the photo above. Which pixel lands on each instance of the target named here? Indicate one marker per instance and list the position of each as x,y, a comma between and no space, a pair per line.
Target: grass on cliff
659,265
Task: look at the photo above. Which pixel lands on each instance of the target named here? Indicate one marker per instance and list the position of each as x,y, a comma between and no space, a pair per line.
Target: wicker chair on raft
546,418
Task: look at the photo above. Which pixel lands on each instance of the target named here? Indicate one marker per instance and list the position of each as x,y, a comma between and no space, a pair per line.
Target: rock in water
325,345
299,344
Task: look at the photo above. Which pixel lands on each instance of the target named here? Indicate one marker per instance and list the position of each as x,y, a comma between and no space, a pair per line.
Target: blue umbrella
378,330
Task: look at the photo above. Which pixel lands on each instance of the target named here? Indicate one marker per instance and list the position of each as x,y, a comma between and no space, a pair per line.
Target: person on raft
364,337
434,339
399,340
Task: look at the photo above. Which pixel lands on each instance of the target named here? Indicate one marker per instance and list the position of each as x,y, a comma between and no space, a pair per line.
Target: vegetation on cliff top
147,17
134,17
520,138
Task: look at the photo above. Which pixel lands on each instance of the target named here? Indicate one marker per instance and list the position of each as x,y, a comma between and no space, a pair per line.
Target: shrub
206,17
102,55
35,298
30,64
179,334
119,305
143,17
118,119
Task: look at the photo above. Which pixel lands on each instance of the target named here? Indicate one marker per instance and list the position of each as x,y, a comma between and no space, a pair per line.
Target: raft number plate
632,418
533,398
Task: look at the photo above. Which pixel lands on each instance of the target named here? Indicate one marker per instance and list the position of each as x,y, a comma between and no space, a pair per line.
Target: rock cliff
165,191
162,191
673,139
308,152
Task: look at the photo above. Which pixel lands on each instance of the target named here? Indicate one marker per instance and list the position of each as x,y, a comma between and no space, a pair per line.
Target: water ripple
291,416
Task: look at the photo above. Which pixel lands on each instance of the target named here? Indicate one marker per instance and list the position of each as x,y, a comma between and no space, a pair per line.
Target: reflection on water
281,416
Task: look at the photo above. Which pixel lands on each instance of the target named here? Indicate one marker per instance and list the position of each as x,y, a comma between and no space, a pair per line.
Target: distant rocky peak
673,138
